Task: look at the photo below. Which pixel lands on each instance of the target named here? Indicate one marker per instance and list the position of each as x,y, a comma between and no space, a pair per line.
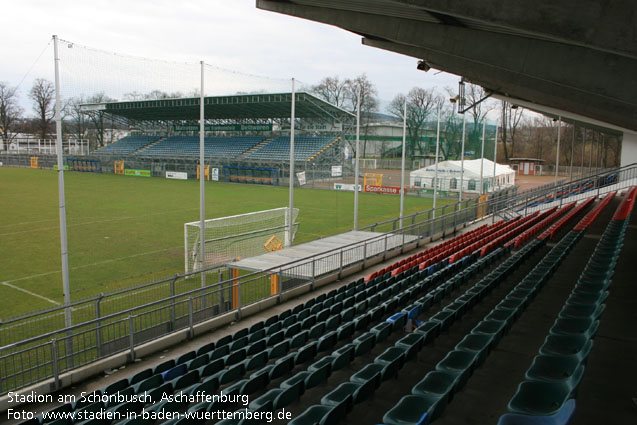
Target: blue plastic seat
539,398
562,417
413,410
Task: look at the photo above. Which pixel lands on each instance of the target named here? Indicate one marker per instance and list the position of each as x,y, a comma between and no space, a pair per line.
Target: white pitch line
88,223
30,293
83,266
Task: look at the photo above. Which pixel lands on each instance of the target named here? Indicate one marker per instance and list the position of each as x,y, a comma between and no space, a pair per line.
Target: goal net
237,236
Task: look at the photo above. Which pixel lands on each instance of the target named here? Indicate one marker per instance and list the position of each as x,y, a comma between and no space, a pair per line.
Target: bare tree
368,101
511,117
451,128
478,111
420,104
368,93
76,124
43,95
96,119
332,90
10,112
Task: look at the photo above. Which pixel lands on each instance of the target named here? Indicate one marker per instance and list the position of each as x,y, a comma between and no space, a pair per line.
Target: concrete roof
573,55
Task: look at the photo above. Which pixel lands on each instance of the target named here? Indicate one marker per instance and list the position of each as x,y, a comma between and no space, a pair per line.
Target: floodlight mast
436,161
402,165
356,167
68,319
557,153
290,233
484,131
464,127
62,197
202,193
495,153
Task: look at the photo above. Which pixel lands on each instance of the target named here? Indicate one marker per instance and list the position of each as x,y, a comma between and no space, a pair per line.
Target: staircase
141,150
254,148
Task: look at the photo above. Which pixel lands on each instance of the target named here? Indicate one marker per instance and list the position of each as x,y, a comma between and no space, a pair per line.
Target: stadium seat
257,361
459,362
211,368
567,345
279,397
305,353
567,369
148,384
539,398
412,410
477,344
562,417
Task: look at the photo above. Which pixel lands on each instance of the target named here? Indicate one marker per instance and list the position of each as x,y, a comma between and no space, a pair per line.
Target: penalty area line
30,293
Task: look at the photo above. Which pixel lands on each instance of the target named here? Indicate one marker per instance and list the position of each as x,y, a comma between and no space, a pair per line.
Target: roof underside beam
588,81
601,25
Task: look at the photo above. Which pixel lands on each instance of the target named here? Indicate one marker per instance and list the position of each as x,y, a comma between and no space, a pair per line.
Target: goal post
237,236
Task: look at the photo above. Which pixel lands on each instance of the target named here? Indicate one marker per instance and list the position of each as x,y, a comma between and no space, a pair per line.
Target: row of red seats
491,245
511,224
559,224
529,233
626,205
408,263
462,244
432,254
592,214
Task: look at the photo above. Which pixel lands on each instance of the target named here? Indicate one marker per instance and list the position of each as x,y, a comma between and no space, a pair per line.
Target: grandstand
243,132
515,320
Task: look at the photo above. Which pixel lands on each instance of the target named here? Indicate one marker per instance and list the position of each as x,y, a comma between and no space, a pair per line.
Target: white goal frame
236,236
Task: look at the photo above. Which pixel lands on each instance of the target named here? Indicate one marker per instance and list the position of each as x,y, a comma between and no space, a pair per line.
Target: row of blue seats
337,403
127,144
548,394
431,395
304,148
221,147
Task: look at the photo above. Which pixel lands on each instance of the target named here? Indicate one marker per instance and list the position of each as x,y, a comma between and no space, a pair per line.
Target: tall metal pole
436,166
581,173
357,171
61,195
402,165
598,161
202,193
464,127
484,131
557,153
572,152
495,155
291,202
590,159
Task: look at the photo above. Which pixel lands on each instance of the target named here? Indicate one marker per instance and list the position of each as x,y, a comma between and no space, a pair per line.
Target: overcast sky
229,34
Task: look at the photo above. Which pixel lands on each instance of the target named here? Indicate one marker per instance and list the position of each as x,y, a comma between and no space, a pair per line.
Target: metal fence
156,309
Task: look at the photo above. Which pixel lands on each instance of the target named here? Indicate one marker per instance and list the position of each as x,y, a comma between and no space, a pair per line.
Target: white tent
449,173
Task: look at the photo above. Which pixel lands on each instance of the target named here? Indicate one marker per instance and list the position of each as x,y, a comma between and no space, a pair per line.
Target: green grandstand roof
236,107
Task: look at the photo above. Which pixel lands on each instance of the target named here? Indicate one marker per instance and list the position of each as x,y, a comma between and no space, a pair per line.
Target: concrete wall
629,148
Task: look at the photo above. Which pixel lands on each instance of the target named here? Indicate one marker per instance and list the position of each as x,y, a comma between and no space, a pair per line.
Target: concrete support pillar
629,148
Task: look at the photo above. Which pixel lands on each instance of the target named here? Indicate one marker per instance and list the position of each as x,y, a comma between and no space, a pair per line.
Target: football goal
237,236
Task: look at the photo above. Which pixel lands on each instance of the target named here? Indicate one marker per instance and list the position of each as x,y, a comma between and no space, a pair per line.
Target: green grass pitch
125,230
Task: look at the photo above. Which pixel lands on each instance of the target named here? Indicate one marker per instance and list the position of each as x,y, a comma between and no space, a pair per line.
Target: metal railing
180,303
